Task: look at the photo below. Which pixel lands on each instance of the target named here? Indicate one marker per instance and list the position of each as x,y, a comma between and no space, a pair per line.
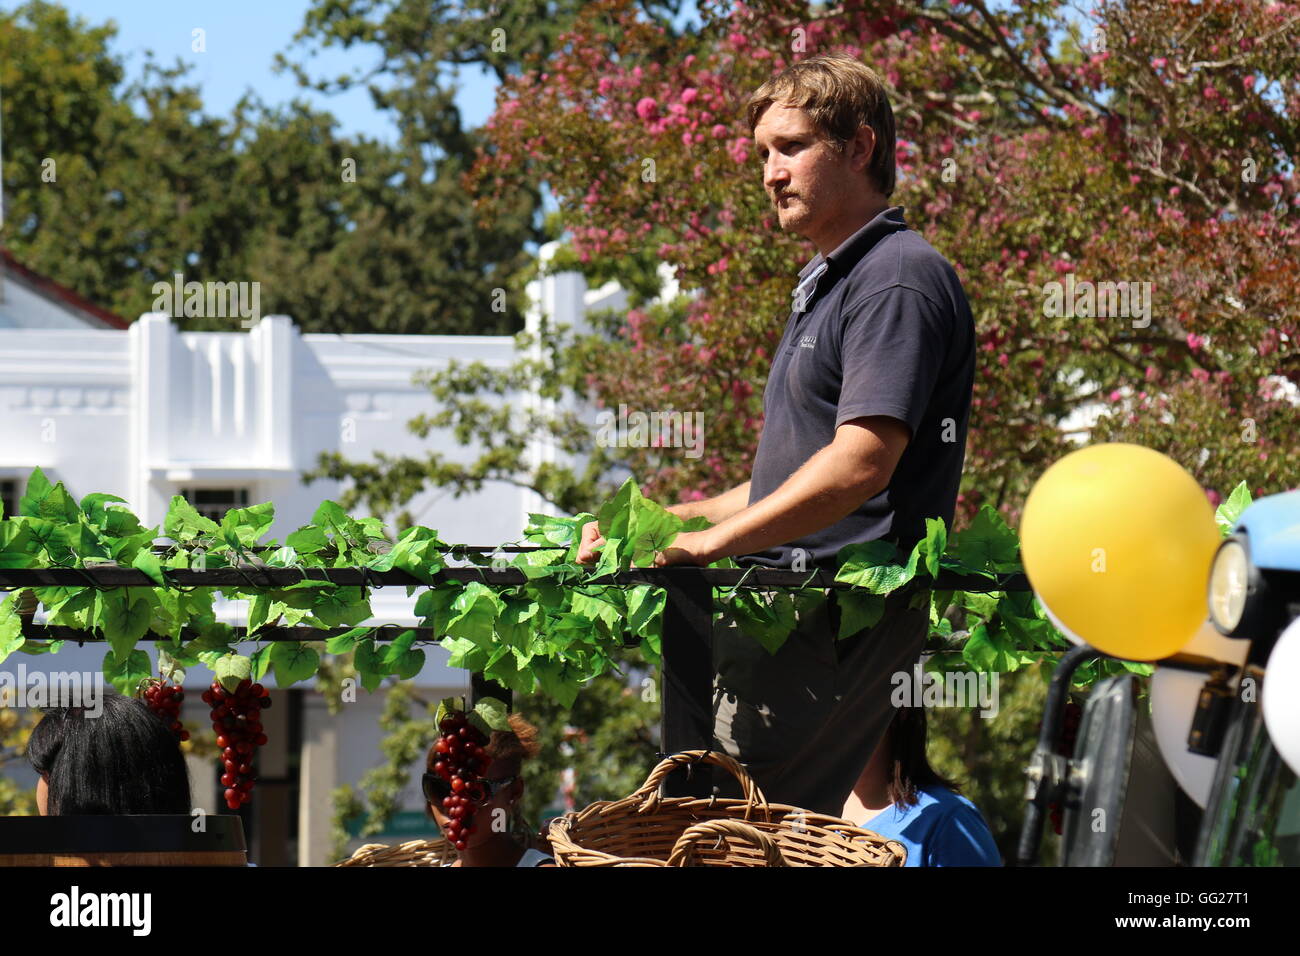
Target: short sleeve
962,839
892,351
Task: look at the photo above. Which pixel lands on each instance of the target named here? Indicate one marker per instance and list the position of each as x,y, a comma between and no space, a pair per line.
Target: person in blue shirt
901,797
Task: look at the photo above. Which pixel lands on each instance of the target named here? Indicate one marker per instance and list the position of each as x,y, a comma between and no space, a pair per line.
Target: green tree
15,729
113,186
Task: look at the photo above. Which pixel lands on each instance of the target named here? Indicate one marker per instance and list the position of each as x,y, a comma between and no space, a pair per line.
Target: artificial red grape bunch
165,700
461,761
237,719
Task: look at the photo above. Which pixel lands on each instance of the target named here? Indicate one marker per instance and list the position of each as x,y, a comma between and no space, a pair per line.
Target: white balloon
1280,696
1173,705
1208,642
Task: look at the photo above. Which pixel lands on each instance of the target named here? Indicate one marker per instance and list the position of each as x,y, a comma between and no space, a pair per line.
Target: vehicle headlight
1229,585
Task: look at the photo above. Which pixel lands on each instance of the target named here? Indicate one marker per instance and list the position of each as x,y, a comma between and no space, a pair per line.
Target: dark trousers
805,720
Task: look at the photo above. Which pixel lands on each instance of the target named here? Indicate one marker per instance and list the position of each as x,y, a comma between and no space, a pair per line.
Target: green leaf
476,609
243,527
435,607
231,669
408,664
41,647
38,486
465,654
126,672
260,662
1229,511
17,546
293,661
988,649
769,624
598,609
93,506
258,608
84,540
936,543
988,544
645,608
170,664
285,557
546,529
651,528
308,540
342,607
51,502
124,618
858,611
1031,633
873,565
145,561
615,514
981,604
448,705
11,625
342,643
939,603
554,681
184,525
419,554
369,664
493,713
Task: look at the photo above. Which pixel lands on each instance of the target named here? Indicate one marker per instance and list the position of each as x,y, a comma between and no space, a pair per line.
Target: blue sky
242,38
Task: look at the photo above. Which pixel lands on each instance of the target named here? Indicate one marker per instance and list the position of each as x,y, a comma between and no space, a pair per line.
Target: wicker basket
645,829
410,853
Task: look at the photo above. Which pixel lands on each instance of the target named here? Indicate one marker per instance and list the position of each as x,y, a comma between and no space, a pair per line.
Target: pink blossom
1195,341
1115,396
1200,374
718,131
689,94
1214,496
1159,63
647,109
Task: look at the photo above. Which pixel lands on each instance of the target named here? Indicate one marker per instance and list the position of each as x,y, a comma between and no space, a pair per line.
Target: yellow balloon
1118,540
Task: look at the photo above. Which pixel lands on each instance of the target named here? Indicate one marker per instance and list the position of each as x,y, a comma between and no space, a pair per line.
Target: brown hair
909,767
517,743
840,95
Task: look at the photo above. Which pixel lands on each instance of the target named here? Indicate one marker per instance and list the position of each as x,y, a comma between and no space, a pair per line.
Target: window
9,496
215,502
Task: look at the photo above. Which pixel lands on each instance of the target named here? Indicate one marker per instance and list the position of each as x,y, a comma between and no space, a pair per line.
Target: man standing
865,417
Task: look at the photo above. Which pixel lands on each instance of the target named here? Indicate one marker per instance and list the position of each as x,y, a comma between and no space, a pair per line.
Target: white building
227,419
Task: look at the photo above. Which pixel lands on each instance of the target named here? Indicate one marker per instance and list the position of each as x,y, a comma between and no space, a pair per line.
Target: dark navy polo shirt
884,329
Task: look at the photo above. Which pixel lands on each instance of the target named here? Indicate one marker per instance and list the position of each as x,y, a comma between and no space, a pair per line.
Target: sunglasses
436,789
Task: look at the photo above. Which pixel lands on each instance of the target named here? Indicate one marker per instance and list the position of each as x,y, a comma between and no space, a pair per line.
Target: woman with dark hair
124,761
901,797
500,836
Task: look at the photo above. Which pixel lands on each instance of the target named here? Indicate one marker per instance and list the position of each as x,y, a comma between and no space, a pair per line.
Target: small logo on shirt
808,341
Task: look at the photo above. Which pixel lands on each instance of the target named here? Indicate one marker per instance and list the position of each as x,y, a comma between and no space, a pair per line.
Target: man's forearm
826,488
718,508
